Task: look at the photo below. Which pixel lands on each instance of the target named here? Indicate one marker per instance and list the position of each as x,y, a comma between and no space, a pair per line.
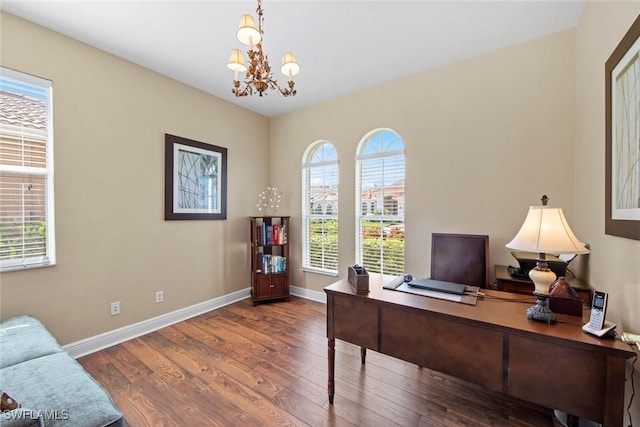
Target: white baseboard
309,294
110,338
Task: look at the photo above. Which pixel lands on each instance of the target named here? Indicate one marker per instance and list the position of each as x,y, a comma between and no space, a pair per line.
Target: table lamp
545,230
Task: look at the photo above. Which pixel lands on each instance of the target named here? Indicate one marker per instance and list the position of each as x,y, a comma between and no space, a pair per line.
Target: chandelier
258,76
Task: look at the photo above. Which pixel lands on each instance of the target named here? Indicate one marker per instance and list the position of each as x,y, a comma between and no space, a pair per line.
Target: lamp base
541,311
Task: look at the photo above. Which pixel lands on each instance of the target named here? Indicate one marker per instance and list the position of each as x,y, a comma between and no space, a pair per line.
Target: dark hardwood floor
267,366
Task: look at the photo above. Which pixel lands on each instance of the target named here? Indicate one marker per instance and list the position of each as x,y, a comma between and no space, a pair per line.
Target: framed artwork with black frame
195,180
622,136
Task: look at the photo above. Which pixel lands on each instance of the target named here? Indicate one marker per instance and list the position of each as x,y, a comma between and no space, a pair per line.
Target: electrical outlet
159,297
115,308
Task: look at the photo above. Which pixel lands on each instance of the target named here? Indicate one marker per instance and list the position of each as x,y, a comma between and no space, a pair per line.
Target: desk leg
363,354
332,363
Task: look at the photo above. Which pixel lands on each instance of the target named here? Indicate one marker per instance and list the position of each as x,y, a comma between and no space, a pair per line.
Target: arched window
380,181
320,208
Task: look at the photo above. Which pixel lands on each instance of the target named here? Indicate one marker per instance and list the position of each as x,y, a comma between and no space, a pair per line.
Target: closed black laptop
438,286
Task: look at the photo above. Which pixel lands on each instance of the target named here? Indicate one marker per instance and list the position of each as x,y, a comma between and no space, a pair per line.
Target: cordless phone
597,325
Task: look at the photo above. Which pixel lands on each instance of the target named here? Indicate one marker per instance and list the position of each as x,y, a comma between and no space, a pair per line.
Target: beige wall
485,138
112,241
614,263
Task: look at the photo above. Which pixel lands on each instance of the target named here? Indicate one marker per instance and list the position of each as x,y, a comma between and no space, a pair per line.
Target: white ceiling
342,46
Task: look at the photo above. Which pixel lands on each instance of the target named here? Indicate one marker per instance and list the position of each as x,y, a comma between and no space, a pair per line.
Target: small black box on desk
358,279
568,306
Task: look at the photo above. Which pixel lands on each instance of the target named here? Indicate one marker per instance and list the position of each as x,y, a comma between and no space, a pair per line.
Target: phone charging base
606,330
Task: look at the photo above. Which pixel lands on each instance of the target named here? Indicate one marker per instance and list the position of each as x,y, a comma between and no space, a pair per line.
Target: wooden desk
492,344
521,285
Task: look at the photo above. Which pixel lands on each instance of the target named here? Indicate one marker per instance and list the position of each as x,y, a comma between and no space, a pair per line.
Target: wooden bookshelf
269,258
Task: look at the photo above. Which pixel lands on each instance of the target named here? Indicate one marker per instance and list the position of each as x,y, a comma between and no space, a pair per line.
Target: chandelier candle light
258,76
545,230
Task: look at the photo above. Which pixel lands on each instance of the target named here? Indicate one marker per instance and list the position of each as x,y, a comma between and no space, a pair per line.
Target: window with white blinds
380,202
320,208
26,172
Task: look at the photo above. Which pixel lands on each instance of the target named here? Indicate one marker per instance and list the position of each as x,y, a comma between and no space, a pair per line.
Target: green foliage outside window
323,234
12,236
392,246
393,257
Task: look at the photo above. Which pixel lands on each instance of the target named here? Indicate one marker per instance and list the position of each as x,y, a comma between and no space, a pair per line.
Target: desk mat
470,297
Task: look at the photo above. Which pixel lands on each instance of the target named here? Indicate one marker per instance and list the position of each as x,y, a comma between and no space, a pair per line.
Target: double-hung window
320,208
26,172
380,203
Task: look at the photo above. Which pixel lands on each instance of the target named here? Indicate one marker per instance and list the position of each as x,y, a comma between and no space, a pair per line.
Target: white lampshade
247,32
236,61
289,65
545,230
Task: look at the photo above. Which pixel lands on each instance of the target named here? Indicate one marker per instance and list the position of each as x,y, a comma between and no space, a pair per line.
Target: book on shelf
273,264
274,234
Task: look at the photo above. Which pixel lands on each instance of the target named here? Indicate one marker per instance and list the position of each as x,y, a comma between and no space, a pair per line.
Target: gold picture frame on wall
622,136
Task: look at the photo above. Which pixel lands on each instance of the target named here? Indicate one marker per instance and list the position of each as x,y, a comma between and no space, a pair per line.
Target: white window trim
50,258
360,217
307,215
